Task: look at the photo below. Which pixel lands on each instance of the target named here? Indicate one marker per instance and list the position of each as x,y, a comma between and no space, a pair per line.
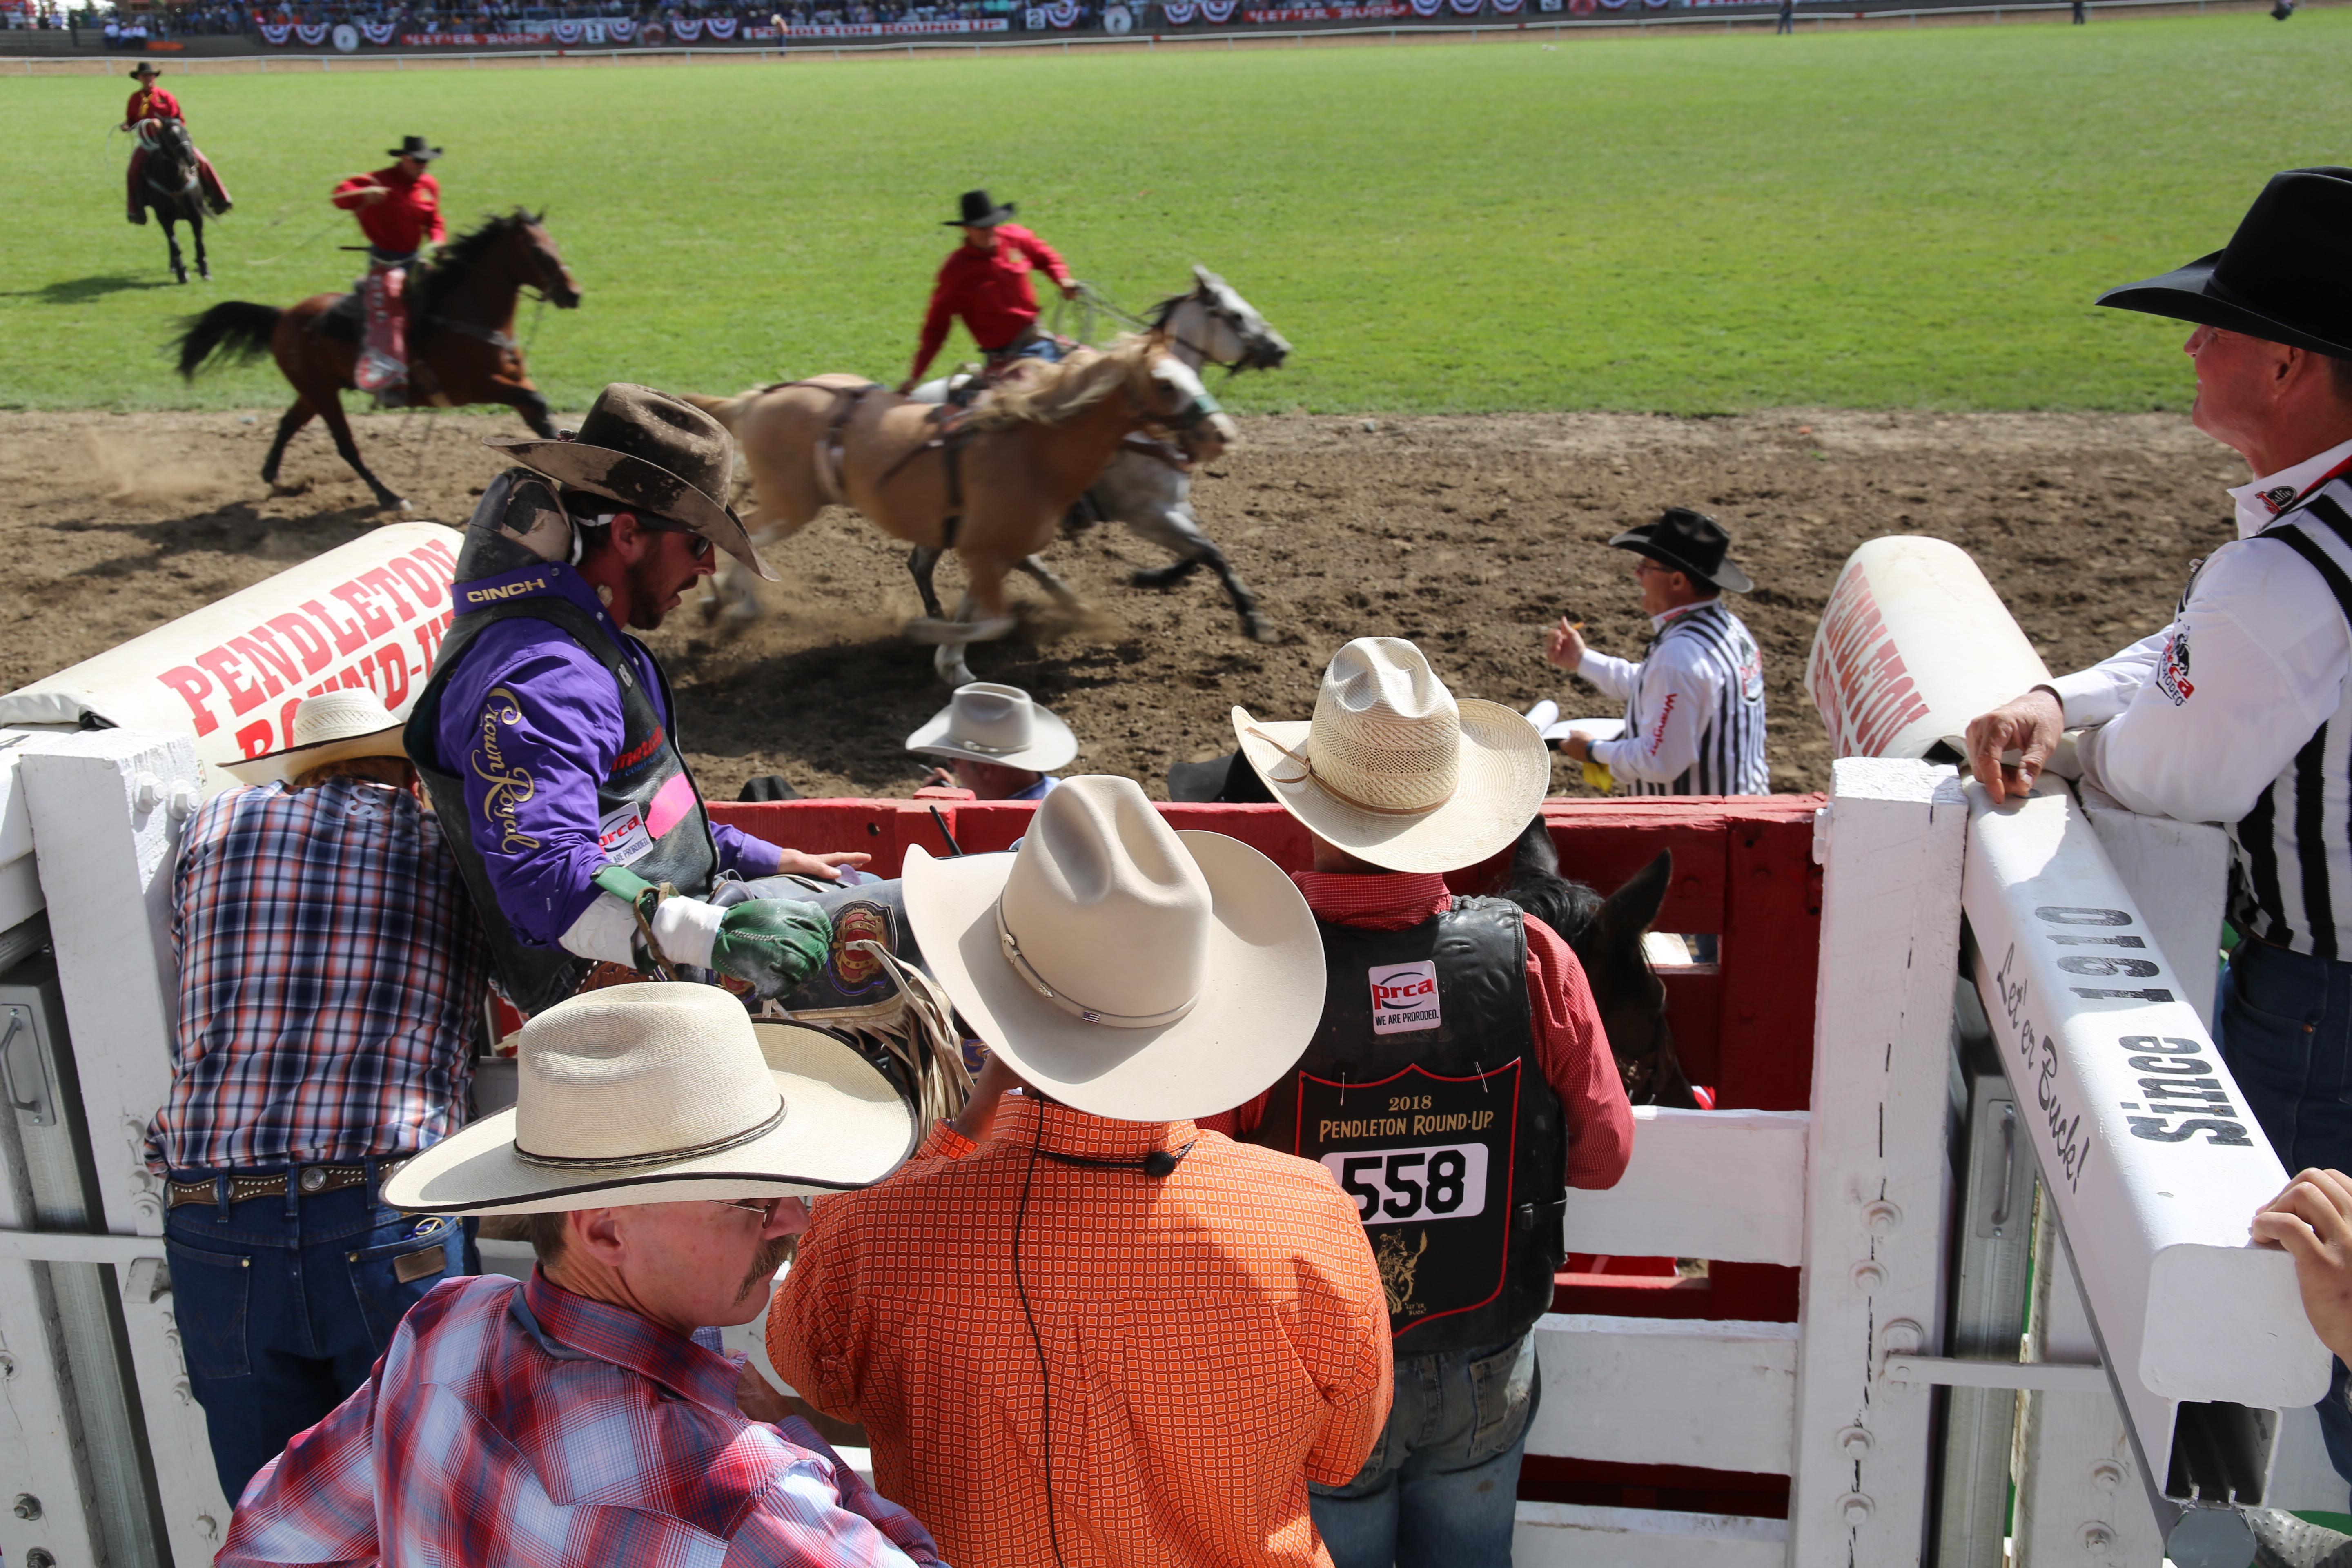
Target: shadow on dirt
238,529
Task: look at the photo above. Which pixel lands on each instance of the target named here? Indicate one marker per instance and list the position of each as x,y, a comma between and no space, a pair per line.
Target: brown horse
990,485
461,342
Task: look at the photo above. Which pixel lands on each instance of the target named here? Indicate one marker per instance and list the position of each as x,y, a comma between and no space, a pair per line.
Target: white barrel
1913,644
370,613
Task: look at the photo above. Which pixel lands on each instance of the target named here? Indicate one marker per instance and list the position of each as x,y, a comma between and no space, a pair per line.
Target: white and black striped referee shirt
1694,706
2235,712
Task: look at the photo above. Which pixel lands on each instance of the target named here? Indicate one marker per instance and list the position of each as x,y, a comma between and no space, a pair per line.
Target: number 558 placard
1393,1185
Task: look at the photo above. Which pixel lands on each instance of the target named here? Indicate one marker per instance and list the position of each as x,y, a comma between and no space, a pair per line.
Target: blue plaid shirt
331,975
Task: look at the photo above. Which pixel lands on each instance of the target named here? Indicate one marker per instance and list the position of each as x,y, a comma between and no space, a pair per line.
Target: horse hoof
1160,576
1257,628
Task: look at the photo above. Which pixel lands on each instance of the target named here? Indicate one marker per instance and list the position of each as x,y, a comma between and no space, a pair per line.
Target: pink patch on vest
671,803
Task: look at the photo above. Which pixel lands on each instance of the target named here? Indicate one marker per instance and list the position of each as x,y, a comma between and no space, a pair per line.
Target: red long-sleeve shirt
1571,1047
153,103
401,221
990,290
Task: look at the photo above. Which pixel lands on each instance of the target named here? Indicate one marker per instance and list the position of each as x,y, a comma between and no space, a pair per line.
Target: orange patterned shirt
1217,1338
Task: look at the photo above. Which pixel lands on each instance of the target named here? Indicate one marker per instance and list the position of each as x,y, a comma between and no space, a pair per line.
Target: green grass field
1693,224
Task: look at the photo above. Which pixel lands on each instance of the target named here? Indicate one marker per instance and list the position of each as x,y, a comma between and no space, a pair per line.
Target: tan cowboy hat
658,1094
331,727
652,453
1394,771
984,723
1121,967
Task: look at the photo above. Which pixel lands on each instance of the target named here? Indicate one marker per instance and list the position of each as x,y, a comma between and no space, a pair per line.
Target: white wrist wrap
607,930
686,928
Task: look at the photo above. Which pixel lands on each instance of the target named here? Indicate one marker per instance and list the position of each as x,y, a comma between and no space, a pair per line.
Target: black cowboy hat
146,67
654,453
2282,275
1693,543
415,147
978,212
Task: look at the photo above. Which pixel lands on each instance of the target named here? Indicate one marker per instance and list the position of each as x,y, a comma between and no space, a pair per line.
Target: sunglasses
701,546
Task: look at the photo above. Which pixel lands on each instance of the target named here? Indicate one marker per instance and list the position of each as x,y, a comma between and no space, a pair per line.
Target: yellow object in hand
1598,776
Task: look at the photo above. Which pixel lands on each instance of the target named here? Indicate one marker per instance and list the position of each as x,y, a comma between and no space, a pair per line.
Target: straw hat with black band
332,727
661,1093
1691,542
1394,769
651,453
1125,969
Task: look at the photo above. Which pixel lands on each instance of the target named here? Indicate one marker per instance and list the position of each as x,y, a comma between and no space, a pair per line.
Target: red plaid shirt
331,975
522,1426
1571,1047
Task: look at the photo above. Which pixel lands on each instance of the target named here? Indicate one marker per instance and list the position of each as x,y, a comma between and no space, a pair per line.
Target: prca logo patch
1404,997
2172,669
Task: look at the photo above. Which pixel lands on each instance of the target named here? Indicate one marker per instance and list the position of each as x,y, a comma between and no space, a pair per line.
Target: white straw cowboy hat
984,723
1394,771
331,727
656,1094
1121,967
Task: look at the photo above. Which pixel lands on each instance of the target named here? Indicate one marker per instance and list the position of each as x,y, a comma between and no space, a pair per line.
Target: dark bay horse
168,188
461,341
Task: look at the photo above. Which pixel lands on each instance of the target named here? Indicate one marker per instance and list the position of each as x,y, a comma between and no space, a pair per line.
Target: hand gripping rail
2155,1165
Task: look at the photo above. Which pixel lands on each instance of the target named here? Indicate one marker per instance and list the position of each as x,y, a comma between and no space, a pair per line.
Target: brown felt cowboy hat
2281,277
650,452
978,212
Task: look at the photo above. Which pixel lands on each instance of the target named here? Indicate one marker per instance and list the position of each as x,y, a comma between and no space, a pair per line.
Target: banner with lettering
368,614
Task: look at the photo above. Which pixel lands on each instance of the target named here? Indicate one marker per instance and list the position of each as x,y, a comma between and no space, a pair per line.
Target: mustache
771,1256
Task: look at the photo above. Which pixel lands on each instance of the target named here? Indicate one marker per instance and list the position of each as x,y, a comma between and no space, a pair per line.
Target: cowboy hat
414,147
1394,771
2279,278
1125,969
658,1094
652,452
984,723
1692,543
331,727
978,212
146,68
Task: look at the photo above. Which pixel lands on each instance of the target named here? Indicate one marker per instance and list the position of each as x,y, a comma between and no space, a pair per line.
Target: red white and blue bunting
686,29
311,34
1178,13
621,29
722,28
378,33
1054,14
275,34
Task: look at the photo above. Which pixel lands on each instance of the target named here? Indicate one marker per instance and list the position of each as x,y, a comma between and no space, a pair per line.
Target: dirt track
1469,535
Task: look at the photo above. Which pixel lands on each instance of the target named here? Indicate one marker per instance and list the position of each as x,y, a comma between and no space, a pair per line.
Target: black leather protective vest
649,815
1422,1095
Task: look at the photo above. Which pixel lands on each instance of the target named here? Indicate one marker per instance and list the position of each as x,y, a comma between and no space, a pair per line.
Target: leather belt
312,1181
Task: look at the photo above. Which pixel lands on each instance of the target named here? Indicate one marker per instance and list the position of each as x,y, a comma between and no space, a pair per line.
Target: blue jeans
1441,1488
285,1303
2285,1028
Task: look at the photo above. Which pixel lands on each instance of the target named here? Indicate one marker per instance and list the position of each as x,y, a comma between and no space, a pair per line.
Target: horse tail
726,410
234,329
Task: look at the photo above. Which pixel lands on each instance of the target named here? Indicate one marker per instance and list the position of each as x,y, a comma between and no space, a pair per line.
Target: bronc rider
399,209
547,735
985,281
149,101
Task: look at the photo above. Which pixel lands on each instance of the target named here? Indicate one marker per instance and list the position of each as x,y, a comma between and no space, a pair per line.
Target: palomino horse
991,484
1149,486
169,189
461,342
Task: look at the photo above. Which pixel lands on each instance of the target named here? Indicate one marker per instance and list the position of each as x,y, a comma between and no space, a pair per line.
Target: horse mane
462,254
1057,394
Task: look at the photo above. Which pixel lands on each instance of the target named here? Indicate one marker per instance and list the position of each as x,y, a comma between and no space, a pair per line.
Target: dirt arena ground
1469,535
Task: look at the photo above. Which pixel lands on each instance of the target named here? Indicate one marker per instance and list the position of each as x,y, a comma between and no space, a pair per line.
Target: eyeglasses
764,1207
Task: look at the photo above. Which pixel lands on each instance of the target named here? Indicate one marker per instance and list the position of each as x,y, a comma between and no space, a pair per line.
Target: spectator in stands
1102,1335
2254,732
661,1147
1694,701
332,984
1462,1005
1001,746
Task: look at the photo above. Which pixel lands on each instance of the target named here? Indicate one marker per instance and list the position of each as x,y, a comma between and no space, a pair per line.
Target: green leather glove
775,943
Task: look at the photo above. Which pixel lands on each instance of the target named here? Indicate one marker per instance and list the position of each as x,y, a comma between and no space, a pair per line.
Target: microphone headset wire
1037,1342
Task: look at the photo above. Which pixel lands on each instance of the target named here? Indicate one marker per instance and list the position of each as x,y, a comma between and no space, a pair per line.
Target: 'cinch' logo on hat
1404,997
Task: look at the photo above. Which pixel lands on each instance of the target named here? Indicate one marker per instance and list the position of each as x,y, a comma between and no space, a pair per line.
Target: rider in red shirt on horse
399,209
986,282
153,102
